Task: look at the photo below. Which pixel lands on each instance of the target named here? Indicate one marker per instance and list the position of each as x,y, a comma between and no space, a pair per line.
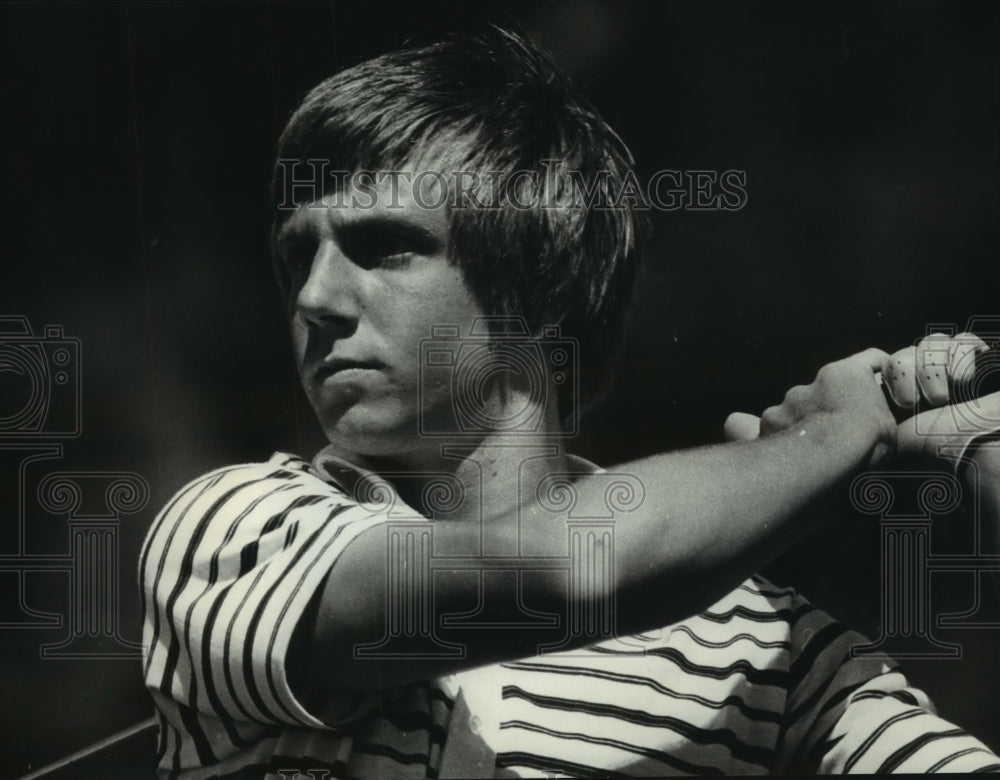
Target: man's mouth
334,366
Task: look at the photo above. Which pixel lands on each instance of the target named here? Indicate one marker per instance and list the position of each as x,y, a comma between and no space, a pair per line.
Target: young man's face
368,281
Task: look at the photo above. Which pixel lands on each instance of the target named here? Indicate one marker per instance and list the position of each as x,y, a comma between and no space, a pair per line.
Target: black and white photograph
439,389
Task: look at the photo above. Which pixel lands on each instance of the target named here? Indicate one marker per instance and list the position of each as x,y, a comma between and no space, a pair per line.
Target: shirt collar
339,471
346,475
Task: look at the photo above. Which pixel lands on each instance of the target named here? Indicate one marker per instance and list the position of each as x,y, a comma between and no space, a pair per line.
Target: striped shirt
760,682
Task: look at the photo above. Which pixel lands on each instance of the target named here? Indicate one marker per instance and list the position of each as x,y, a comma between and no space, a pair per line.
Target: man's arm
710,518
965,435
860,714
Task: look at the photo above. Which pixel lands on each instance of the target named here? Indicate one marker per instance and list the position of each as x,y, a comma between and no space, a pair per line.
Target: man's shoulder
757,618
281,468
241,499
768,616
756,607
281,464
745,645
758,595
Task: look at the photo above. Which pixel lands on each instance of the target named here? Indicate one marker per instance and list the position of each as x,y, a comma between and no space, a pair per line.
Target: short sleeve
228,569
858,713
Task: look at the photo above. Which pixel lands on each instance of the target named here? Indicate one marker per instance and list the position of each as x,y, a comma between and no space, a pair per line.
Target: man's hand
947,432
846,392
926,378
930,373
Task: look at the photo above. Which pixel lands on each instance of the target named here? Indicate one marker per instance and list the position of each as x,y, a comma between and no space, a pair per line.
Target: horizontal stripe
907,750
551,765
904,696
760,680
753,713
959,754
778,644
701,736
786,615
384,751
753,675
670,760
860,752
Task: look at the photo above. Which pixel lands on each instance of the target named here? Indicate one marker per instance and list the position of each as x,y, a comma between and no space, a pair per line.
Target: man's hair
496,104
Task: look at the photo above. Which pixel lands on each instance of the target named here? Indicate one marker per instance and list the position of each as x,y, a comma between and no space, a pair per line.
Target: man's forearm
710,518
715,515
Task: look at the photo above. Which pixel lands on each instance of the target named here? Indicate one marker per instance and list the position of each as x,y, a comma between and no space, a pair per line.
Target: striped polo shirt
760,682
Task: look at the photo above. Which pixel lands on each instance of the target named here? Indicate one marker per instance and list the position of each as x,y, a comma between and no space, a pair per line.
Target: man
466,201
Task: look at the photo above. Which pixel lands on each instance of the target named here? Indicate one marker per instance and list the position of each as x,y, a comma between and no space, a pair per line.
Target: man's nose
329,297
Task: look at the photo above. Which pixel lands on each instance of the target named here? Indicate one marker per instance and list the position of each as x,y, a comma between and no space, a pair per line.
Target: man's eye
387,251
297,254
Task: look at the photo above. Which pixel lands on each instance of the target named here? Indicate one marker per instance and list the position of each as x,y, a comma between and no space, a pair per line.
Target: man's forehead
414,196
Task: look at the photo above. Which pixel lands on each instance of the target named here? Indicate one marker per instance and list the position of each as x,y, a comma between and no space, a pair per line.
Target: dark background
136,143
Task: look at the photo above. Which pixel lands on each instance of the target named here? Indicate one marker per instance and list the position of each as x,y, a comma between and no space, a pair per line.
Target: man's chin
371,434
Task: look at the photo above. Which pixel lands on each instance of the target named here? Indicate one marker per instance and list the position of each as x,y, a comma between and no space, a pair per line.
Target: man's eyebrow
396,225
357,230
290,231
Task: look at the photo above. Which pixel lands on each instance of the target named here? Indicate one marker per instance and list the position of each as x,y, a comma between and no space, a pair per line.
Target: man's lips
335,365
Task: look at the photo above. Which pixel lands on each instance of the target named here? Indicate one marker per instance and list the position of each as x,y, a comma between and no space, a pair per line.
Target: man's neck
466,477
